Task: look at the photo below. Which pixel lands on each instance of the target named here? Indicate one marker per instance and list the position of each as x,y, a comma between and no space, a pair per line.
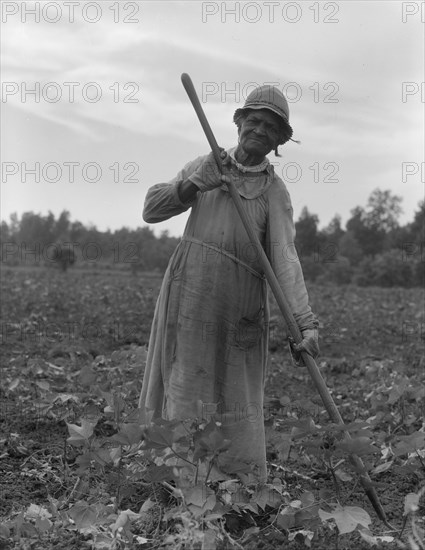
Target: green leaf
125,517
4,531
347,518
65,397
102,456
382,468
41,516
285,400
409,443
147,505
325,494
87,376
240,497
411,503
91,412
129,434
372,539
342,475
108,397
267,495
209,441
158,437
303,427
28,530
307,517
43,524
159,473
283,447
84,462
36,511
286,518
197,495
397,391
83,514
136,416
14,384
308,406
207,506
252,507
80,434
115,455
209,540
103,542
358,445
307,499
305,533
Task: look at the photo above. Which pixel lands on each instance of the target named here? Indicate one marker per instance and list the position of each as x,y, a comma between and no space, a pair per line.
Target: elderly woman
210,330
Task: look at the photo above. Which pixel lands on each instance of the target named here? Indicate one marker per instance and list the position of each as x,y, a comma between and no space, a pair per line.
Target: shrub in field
327,269
389,269
349,247
312,267
338,272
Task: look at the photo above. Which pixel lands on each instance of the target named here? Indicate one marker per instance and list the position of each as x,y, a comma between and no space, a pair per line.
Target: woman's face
259,132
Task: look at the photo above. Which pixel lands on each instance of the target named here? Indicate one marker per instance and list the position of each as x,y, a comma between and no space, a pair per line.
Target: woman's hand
309,344
208,176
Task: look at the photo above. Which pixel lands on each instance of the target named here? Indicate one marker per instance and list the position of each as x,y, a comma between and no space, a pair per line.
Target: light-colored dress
210,330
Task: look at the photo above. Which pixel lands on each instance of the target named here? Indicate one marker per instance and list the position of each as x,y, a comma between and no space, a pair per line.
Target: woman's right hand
208,176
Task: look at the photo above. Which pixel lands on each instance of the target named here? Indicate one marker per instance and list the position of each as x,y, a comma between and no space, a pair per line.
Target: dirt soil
55,325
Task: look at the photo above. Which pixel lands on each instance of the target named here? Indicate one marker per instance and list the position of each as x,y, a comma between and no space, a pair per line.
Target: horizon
89,226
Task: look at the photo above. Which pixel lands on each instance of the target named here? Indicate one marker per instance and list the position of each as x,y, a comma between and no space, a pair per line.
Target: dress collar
252,187
257,168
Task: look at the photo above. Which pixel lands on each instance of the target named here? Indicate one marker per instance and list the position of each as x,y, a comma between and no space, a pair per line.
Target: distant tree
62,225
76,231
359,230
383,210
372,226
416,229
329,238
14,225
334,230
349,248
5,232
306,239
49,227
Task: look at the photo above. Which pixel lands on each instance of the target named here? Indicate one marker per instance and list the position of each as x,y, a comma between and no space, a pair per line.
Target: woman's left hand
309,343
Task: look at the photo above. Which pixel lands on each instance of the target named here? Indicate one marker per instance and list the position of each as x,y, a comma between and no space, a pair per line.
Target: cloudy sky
107,116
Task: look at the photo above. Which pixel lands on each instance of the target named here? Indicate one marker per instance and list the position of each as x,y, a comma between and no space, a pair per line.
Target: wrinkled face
259,132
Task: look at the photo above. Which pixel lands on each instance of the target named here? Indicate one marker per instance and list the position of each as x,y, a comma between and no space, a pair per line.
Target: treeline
372,248
46,241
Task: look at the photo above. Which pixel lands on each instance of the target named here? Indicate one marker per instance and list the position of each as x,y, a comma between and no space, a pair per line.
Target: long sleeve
283,256
162,200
